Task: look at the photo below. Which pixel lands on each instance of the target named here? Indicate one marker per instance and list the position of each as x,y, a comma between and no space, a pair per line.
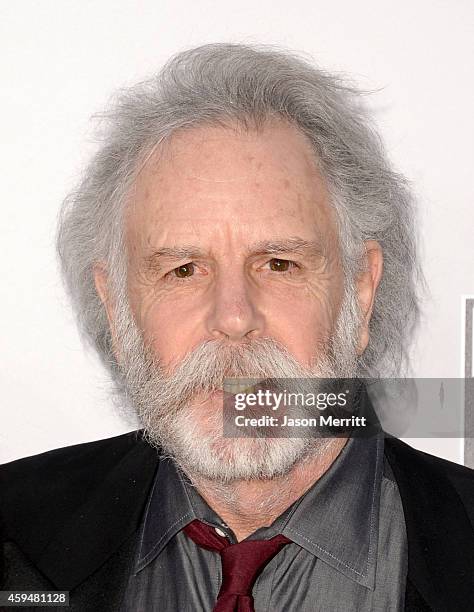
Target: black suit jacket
69,519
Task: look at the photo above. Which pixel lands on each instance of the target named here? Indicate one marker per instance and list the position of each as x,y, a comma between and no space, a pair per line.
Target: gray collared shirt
348,549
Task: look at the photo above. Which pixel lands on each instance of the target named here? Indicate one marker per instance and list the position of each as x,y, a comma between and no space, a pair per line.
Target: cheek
302,325
173,327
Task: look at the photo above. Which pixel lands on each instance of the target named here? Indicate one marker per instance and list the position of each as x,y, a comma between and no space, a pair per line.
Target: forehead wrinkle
165,153
177,146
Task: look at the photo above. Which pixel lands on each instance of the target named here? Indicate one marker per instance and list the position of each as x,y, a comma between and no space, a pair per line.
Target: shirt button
220,532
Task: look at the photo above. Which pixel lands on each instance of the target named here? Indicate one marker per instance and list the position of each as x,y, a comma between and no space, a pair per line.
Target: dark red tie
241,564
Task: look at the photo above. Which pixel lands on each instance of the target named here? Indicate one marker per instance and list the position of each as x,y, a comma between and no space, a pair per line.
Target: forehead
254,183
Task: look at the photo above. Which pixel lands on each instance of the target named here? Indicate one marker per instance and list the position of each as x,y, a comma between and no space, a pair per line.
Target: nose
235,314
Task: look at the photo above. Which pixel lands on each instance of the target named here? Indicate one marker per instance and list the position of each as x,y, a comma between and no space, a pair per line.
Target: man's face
233,271
231,237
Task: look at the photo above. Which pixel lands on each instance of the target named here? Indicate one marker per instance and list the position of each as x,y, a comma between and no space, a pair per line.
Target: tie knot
241,563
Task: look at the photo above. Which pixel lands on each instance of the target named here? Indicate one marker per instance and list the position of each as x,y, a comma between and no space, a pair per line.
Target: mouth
207,396
235,386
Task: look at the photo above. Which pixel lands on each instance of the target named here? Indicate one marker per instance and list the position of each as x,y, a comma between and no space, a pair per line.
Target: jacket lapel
105,588
440,535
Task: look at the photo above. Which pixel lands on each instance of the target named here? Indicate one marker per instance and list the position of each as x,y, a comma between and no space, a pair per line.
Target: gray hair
221,84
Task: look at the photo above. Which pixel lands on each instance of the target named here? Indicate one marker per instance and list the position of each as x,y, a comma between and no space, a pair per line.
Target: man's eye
280,265
184,271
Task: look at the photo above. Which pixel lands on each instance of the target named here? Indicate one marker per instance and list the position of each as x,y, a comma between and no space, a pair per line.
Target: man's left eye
281,265
184,271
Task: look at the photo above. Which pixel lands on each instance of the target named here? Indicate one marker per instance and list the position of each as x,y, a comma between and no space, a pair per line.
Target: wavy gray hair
224,84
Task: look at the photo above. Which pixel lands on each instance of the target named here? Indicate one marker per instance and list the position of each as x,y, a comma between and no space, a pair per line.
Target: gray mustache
213,361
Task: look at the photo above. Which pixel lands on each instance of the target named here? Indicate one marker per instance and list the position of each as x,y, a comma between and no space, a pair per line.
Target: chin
201,451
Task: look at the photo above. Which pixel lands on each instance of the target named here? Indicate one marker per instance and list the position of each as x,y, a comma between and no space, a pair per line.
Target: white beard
178,417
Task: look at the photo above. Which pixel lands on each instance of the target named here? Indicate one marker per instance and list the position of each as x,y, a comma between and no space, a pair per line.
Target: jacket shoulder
449,468
460,476
45,468
56,481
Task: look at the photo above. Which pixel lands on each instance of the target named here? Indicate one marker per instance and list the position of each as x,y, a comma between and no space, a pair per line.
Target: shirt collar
336,519
168,511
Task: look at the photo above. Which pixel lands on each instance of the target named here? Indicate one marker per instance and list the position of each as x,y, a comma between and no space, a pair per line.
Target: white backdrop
60,61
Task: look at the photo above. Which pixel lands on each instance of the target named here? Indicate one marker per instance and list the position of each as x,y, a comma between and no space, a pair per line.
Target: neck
247,505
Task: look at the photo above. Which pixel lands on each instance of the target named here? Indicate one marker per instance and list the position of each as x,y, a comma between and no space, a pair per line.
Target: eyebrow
155,259
287,245
265,247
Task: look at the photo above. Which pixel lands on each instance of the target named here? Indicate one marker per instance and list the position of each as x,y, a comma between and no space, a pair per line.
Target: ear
103,291
367,283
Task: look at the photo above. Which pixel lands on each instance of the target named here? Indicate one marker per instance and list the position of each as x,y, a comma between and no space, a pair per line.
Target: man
240,220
